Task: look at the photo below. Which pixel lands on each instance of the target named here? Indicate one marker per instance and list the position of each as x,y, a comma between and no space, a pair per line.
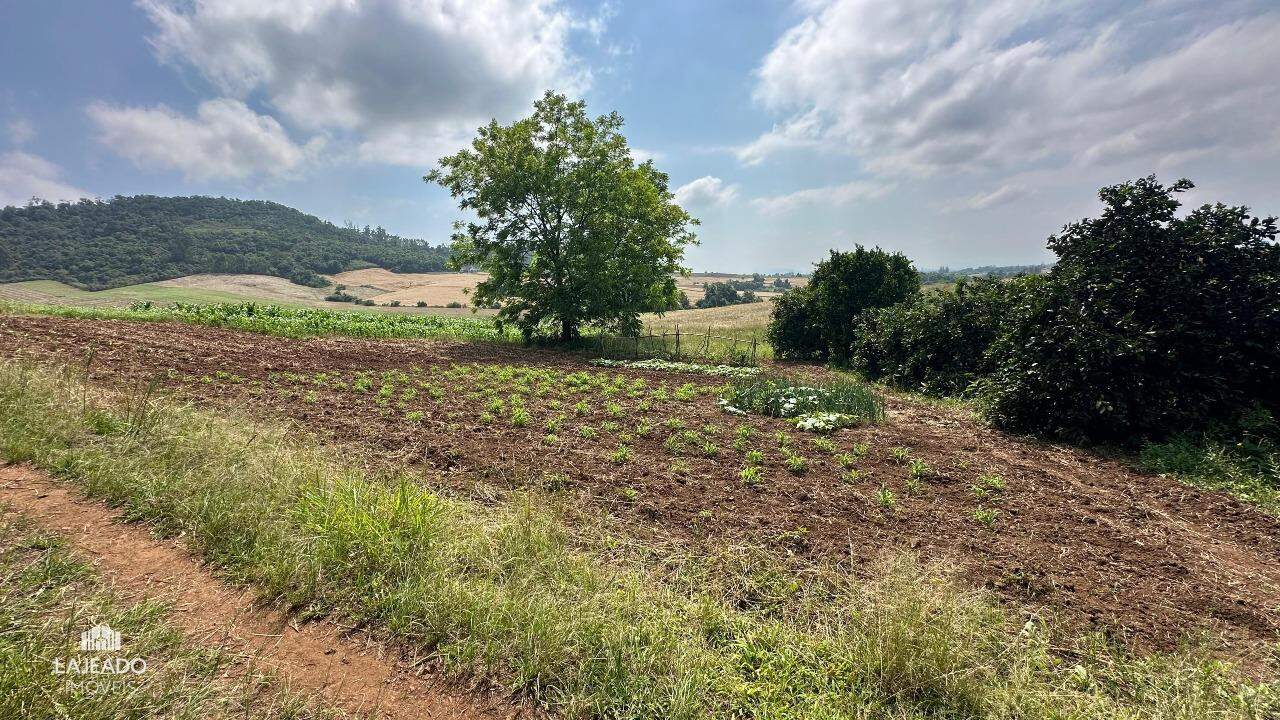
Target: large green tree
820,320
570,229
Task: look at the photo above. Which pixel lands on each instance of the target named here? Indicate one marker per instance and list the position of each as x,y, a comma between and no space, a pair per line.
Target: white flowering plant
825,422
831,405
730,371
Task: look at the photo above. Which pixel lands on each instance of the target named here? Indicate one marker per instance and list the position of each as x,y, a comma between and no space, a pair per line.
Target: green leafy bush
936,342
1149,325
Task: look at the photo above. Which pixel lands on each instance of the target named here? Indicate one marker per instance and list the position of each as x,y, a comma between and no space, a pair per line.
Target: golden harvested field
258,287
751,317
384,286
695,285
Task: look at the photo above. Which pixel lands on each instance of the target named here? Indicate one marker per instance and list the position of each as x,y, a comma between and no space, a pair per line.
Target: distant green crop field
286,321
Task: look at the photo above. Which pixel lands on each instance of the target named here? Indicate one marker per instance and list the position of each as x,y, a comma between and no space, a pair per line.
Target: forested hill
97,245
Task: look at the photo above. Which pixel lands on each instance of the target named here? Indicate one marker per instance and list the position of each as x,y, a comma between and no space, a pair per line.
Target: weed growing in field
519,417
918,470
824,445
851,476
755,457
620,455
900,454
587,432
751,475
846,460
796,464
987,487
986,516
550,439
674,443
885,497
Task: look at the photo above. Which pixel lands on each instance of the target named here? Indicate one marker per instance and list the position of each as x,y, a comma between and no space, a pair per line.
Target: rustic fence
676,344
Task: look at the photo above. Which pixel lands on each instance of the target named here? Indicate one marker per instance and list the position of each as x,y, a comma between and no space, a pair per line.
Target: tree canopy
96,245
820,319
570,229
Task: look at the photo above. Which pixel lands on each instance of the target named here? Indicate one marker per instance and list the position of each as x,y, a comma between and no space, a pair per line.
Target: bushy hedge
1149,325
936,342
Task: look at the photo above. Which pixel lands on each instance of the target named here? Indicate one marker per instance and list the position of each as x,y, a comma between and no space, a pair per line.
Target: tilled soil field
1087,538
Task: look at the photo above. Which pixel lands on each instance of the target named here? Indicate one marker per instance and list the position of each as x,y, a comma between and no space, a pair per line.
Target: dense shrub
793,330
842,287
936,342
1150,324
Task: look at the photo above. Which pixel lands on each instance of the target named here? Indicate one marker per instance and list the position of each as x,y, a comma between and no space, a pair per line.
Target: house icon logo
99,638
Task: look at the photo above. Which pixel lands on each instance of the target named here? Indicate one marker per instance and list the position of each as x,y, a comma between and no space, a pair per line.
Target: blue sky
960,133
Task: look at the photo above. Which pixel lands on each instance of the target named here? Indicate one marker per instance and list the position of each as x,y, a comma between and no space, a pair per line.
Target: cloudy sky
960,133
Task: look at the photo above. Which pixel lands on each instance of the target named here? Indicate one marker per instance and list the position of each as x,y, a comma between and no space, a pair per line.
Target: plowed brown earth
358,678
1085,537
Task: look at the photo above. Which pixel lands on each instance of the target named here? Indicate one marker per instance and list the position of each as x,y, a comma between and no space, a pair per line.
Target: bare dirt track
358,678
1084,537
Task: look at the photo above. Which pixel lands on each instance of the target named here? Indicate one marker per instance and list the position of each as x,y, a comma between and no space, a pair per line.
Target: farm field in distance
376,284
1080,538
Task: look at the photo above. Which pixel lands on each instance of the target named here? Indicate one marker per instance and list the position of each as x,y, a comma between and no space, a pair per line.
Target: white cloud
21,131
641,155
226,139
926,86
23,176
1002,195
407,77
833,195
705,192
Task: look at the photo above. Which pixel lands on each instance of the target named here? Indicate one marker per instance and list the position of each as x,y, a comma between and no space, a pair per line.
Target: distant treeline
97,245
945,274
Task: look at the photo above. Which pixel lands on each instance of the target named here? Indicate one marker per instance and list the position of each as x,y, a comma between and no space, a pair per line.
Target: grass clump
484,589
1247,467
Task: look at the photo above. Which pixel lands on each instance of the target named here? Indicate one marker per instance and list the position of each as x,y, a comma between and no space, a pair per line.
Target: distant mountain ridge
97,245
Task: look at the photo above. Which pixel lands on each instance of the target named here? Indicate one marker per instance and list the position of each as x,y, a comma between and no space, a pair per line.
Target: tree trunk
566,330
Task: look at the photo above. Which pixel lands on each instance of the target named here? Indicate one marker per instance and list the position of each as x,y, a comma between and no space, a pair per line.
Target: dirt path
355,677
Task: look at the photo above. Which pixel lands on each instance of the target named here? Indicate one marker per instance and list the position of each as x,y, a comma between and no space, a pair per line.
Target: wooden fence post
677,341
